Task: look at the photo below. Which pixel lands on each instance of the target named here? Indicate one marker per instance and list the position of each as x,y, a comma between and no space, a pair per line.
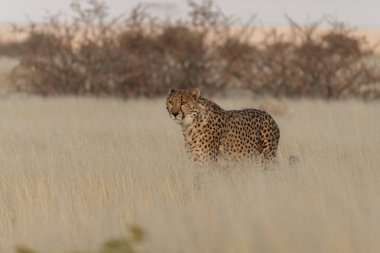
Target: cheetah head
182,105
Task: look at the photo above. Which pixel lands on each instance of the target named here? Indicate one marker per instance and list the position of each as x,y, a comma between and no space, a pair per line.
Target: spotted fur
211,132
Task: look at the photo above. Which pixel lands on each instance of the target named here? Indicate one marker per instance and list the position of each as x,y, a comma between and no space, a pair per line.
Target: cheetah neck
194,127
209,106
194,120
201,116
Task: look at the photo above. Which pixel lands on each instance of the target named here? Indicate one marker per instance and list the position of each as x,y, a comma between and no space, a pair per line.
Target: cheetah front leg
206,152
199,155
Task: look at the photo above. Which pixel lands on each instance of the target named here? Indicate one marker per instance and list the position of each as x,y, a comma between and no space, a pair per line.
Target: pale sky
358,13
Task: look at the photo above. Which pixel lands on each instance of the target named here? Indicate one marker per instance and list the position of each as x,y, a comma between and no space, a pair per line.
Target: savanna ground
78,171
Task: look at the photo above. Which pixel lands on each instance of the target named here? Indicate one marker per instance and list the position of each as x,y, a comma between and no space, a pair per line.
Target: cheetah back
250,133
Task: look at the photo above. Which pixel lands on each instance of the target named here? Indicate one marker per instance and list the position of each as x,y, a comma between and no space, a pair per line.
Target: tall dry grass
75,172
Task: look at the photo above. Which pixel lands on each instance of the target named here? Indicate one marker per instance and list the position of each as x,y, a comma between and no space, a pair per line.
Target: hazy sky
359,13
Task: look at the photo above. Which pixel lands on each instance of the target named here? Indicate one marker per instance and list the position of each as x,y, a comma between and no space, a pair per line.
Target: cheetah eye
170,102
183,103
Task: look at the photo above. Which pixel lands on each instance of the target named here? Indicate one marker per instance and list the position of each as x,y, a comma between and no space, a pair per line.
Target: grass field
75,172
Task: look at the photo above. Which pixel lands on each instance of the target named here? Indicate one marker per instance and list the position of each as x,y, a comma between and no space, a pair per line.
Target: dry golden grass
75,172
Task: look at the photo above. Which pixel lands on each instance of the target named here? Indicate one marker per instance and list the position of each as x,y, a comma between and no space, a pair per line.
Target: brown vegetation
141,55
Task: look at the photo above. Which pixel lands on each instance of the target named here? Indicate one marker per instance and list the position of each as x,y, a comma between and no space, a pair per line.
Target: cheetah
211,132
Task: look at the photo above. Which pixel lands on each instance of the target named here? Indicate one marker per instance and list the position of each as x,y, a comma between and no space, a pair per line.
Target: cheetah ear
196,92
171,91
